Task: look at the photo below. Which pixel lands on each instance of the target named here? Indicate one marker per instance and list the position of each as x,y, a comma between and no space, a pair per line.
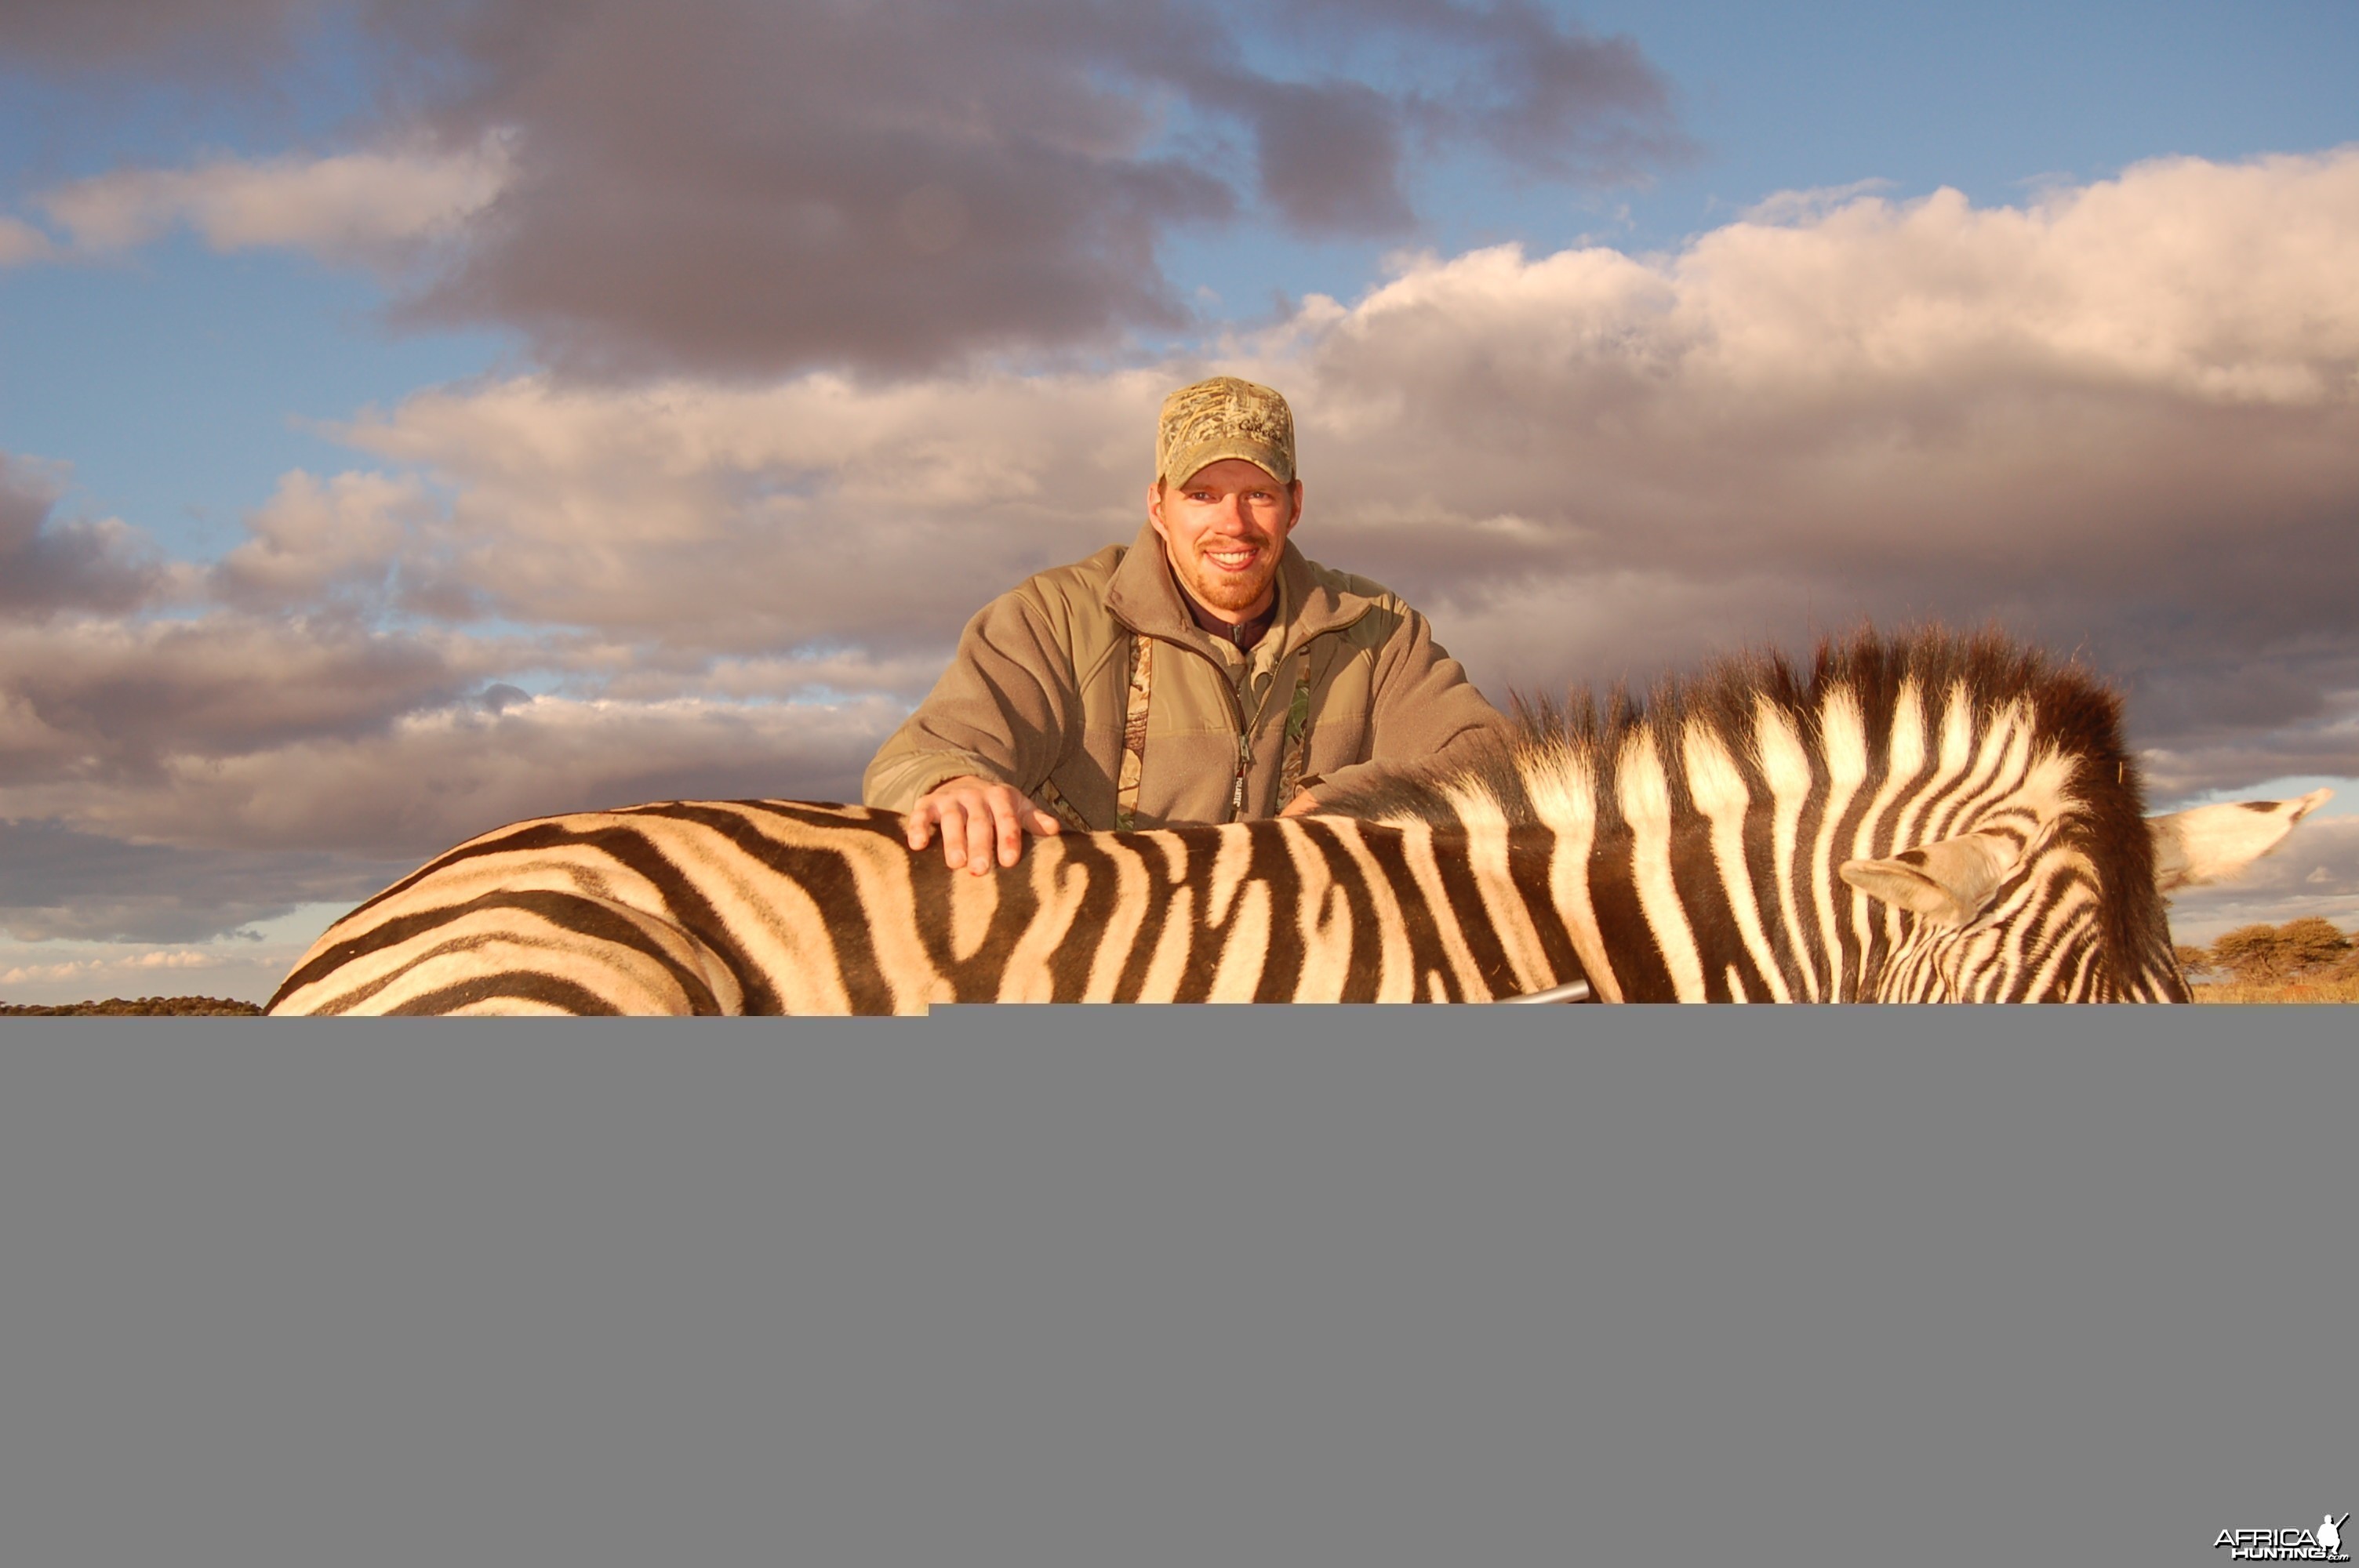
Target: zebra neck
1654,915
1589,893
1523,909
1558,908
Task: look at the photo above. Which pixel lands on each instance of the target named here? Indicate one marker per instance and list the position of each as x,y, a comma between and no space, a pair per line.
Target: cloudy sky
416,414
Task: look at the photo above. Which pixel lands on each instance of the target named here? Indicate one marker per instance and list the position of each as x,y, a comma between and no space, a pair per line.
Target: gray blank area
1040,1287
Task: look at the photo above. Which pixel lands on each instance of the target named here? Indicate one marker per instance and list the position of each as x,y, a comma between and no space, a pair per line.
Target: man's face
1224,529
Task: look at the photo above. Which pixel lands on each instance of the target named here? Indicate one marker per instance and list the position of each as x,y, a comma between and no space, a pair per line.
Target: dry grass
2306,991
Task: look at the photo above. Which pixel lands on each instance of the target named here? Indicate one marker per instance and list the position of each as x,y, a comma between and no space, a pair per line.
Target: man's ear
1154,509
1296,491
1947,881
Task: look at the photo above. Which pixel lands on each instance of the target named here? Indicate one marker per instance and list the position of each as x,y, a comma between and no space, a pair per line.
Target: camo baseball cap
1225,418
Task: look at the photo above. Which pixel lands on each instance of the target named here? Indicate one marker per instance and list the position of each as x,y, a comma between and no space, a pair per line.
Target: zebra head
1978,891
2008,910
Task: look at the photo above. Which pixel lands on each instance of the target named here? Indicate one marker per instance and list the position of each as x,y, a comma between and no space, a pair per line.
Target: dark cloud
1328,155
89,703
741,189
2219,604
176,36
47,565
445,774
1539,90
57,884
738,189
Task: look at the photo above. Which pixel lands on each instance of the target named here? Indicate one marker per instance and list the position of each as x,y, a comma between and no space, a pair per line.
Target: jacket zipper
1244,729
1238,708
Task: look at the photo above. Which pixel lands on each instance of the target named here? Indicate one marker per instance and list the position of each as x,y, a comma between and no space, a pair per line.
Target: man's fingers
981,827
978,856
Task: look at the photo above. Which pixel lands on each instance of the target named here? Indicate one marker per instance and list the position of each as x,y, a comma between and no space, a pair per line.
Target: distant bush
143,1007
2312,943
2251,954
2263,954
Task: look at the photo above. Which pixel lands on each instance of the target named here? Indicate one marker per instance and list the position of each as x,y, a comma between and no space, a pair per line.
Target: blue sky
478,448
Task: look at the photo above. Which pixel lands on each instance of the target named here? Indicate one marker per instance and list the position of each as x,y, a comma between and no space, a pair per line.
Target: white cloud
311,537
21,243
185,958
752,520
363,206
2122,420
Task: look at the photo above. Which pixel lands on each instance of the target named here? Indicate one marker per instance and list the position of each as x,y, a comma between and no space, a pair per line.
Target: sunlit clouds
351,207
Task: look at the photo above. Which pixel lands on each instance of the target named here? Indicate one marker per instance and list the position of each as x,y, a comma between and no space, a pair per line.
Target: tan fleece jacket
1038,690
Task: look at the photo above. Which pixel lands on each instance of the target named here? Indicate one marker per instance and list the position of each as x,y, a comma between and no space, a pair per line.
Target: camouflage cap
1225,418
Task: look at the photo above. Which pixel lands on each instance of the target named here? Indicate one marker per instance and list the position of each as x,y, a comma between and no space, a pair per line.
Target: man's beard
1217,590
1233,594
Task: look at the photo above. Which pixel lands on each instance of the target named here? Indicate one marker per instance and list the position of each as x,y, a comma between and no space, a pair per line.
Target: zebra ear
2209,842
1947,882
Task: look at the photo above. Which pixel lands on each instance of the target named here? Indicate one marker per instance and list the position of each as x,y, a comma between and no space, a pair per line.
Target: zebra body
1933,818
762,906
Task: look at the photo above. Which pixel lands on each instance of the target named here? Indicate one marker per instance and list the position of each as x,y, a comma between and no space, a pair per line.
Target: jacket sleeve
1003,710
1421,706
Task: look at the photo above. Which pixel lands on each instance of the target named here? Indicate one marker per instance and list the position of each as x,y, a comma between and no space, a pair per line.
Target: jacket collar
1144,597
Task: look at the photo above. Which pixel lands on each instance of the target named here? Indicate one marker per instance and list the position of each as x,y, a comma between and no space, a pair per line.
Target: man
1207,673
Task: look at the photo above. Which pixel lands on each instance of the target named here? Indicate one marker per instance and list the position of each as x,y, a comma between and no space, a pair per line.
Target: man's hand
1302,805
975,814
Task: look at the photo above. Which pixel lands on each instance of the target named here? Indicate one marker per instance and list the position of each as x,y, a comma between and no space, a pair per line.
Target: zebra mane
2073,713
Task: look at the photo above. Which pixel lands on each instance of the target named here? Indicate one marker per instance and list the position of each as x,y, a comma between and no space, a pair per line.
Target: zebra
1915,818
